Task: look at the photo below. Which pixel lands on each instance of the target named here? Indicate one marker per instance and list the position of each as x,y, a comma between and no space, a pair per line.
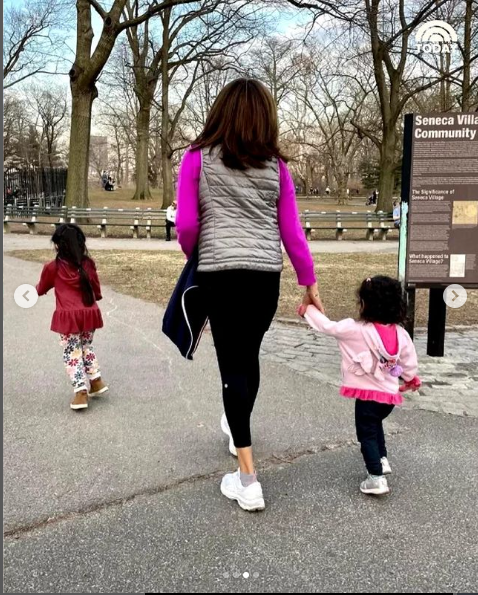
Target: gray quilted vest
238,215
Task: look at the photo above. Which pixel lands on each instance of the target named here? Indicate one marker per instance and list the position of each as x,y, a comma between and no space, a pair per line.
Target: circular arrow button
25,296
455,296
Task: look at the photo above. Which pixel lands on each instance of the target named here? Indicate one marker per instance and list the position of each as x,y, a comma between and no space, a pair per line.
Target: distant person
327,191
109,184
104,178
170,219
9,198
396,214
376,351
372,199
77,289
236,201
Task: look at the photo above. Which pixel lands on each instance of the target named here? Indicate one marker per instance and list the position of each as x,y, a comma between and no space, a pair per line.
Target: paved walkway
16,241
124,498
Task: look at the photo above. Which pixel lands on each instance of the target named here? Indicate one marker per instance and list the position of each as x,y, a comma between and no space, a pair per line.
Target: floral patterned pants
80,359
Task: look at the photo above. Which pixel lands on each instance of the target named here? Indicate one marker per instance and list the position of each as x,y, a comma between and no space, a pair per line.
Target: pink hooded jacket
367,368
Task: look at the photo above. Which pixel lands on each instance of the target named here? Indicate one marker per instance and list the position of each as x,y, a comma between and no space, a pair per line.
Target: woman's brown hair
243,122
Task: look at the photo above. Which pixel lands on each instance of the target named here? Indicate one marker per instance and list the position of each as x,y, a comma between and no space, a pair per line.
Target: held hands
311,297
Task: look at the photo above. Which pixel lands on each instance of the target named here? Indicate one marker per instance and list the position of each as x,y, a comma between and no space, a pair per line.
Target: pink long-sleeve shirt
290,229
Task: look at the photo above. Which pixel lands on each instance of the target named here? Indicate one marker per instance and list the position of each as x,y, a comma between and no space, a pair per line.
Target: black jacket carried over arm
185,316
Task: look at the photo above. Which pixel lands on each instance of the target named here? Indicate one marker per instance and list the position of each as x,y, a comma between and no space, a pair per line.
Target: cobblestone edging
450,384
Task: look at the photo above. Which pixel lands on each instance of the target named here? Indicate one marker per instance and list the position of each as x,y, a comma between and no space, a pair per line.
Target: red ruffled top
71,315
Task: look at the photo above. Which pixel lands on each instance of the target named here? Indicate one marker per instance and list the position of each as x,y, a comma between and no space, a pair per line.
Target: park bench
374,223
103,219
106,217
32,217
139,219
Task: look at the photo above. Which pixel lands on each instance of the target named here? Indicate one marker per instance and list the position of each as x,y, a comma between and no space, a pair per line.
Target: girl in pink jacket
376,351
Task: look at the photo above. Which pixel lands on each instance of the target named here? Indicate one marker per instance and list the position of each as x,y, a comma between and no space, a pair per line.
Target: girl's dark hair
382,300
243,122
71,245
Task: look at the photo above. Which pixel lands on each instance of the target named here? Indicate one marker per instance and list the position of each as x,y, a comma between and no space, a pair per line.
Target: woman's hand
311,297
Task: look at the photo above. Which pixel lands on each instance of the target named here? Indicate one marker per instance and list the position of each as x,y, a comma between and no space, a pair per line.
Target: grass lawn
151,276
122,199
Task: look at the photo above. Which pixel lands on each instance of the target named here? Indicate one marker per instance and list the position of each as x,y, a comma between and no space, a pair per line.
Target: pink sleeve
320,322
187,216
291,232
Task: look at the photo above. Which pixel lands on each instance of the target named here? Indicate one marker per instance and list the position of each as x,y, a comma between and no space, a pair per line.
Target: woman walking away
376,351
236,199
77,289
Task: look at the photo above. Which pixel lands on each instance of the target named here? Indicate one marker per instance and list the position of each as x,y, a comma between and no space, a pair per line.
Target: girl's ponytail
71,244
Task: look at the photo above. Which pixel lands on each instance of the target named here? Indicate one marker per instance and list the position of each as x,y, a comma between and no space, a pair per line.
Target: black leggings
241,305
369,416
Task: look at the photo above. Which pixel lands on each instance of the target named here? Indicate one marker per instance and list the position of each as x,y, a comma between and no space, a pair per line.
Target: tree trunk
387,170
142,152
308,175
466,84
341,179
126,165
119,180
166,153
157,159
167,176
78,163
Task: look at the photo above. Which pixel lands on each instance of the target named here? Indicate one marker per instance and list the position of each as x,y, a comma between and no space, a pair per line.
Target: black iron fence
34,187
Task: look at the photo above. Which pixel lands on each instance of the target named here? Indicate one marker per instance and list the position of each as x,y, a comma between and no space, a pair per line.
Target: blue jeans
369,416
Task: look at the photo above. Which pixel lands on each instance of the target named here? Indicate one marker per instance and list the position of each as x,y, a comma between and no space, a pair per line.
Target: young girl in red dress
77,289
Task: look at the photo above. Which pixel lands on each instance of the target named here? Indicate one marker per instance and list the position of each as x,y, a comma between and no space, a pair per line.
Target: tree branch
152,10
99,9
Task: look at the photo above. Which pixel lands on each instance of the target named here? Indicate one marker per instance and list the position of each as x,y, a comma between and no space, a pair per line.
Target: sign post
439,219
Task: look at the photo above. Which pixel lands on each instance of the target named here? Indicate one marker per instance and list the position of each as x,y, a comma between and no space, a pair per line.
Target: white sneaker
376,485
386,468
250,498
227,430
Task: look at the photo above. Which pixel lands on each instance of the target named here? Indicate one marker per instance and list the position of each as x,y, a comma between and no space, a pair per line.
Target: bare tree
212,77
275,63
96,161
333,114
84,74
13,128
52,108
387,25
190,36
31,40
119,108
32,128
224,27
469,87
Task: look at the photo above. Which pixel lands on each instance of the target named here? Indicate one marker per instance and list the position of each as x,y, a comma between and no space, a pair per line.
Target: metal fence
34,186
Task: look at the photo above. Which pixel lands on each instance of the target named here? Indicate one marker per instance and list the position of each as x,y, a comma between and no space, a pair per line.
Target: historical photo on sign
465,213
457,265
